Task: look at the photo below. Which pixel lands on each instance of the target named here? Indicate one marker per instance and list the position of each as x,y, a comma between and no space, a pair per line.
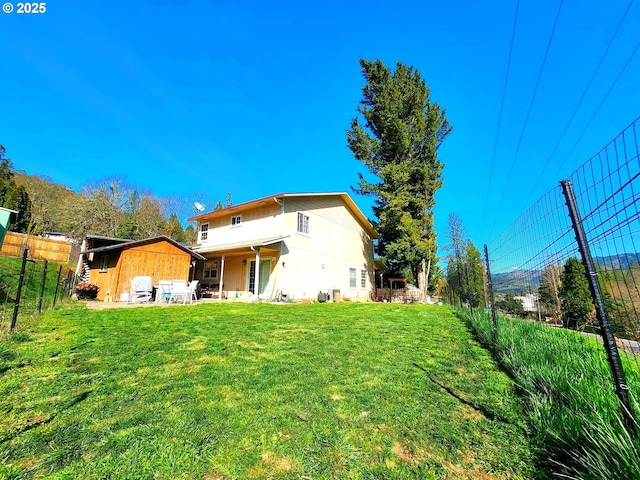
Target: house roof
145,241
274,198
241,245
8,210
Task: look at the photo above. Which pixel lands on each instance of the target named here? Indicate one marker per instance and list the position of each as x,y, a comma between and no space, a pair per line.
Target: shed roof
145,241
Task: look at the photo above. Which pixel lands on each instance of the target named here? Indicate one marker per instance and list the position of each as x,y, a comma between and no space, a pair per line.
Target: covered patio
245,271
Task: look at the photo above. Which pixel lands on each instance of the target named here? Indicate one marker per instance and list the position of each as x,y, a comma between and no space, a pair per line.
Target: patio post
221,278
256,283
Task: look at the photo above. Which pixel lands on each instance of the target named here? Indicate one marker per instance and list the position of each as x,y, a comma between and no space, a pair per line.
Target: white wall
258,223
321,260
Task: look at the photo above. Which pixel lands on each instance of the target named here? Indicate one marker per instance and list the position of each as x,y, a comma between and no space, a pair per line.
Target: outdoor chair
179,291
192,291
141,289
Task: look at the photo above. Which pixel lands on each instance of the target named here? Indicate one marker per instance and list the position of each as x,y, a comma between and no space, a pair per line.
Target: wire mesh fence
29,287
536,263
565,277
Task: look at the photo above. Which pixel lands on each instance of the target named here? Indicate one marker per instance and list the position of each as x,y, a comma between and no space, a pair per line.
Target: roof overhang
240,247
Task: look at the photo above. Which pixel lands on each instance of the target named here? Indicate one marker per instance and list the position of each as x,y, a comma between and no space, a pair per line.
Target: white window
352,278
363,279
204,232
210,270
303,223
104,263
236,220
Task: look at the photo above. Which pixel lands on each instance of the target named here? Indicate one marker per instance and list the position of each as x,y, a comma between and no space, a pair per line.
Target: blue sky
201,98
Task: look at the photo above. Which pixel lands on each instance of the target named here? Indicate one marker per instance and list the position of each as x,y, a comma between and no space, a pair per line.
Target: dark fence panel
25,293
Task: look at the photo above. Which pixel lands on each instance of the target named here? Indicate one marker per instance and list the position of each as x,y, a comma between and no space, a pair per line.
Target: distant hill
51,202
615,262
525,281
517,281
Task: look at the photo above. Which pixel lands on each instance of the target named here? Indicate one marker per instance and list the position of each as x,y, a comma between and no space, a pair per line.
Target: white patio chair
178,291
141,289
192,291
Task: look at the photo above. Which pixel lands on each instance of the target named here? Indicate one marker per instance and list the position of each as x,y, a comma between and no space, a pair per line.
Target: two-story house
288,246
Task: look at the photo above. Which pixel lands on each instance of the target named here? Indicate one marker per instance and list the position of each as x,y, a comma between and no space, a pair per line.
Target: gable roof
145,241
351,205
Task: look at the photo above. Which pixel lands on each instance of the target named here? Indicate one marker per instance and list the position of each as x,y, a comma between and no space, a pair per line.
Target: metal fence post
68,284
613,356
494,330
42,285
16,307
55,295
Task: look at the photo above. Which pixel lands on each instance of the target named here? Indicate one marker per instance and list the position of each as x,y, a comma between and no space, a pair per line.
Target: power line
582,97
533,97
504,92
595,113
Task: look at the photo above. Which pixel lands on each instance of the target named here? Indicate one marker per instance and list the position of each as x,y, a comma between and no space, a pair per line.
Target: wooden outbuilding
112,267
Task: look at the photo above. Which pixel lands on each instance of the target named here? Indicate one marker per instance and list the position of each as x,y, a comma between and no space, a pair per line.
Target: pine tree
577,304
398,143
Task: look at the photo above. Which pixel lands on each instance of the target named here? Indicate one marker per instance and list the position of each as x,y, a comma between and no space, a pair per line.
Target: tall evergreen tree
398,144
474,273
577,304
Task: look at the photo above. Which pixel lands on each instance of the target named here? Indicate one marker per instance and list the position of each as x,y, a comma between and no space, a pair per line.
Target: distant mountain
615,262
517,281
528,281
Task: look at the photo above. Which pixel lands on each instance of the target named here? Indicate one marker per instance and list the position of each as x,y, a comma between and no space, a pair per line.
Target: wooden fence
39,248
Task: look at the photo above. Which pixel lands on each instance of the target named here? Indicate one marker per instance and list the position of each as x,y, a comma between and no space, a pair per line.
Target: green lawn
224,391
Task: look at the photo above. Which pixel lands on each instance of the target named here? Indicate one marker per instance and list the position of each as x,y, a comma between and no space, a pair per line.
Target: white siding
257,223
321,260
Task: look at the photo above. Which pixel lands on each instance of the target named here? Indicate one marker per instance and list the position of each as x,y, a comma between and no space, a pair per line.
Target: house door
265,270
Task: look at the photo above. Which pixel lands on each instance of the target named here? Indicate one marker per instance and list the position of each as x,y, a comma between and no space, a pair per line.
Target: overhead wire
504,93
597,110
526,121
582,97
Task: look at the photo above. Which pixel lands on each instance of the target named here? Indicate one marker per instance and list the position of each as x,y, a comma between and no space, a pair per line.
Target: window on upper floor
236,220
204,232
352,278
303,223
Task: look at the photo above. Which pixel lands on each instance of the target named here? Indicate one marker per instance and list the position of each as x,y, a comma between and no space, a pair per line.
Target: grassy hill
222,391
